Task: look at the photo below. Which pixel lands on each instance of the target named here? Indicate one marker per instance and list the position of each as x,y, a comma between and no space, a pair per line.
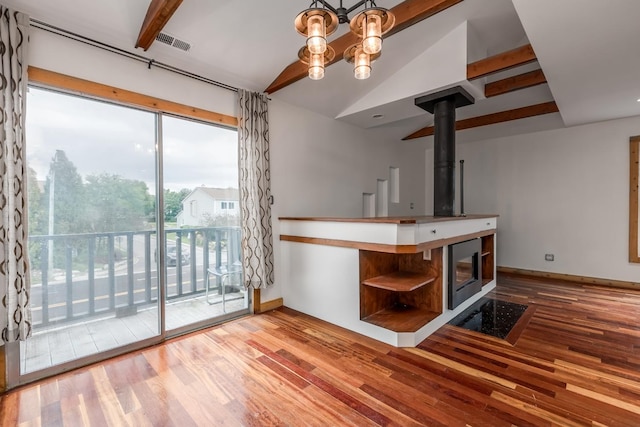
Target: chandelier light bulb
316,61
316,66
316,37
362,61
372,34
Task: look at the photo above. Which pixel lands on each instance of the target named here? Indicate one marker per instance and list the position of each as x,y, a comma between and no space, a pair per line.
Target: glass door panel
202,224
91,228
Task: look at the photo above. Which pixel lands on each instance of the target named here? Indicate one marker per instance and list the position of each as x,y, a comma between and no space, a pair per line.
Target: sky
99,137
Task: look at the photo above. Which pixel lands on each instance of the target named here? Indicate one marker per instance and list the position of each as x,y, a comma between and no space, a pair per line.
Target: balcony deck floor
51,346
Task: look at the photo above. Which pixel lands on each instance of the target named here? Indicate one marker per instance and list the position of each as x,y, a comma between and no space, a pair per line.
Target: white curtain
255,189
15,314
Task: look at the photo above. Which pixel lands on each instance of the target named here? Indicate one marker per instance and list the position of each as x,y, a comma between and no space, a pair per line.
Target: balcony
106,293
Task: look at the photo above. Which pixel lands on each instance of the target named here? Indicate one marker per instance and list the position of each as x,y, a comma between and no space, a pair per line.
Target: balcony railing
97,274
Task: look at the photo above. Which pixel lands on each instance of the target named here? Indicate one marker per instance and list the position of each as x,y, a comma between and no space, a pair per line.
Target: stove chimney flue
443,106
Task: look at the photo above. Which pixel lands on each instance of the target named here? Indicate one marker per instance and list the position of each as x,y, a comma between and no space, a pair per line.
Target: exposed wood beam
489,119
500,62
407,13
510,84
158,14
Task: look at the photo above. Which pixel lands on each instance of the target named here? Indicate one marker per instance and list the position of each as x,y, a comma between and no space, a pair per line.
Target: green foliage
173,203
68,195
113,203
37,215
103,203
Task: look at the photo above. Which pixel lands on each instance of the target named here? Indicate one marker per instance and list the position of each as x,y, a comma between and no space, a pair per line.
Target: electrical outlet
548,257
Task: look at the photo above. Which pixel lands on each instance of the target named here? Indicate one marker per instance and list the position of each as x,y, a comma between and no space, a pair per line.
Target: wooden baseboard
3,369
256,301
261,307
271,305
570,278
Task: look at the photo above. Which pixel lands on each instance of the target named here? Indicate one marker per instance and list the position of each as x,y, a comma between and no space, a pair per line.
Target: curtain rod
149,61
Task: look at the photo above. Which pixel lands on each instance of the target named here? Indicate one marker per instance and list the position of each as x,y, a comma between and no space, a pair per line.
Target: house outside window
215,206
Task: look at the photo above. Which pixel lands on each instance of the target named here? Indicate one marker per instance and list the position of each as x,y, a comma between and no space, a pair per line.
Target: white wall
56,53
563,191
321,167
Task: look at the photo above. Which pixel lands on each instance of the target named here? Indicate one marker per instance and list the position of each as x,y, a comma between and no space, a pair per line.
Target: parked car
172,255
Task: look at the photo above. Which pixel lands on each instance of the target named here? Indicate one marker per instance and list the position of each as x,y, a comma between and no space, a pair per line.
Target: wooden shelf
486,253
400,281
393,294
486,281
401,318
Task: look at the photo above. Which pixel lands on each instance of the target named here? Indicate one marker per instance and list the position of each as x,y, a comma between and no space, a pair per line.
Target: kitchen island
389,278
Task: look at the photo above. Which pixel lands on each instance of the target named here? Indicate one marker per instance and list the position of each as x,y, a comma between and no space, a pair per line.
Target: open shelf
400,292
401,318
400,281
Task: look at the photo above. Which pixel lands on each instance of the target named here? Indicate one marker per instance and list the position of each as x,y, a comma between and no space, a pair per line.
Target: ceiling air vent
174,42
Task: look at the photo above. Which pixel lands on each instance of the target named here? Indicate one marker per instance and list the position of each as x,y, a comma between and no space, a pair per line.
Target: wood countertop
390,219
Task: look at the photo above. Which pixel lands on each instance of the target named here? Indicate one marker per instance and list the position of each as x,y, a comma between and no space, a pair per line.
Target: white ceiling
588,49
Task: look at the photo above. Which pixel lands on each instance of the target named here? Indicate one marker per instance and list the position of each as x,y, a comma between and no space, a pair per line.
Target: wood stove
465,271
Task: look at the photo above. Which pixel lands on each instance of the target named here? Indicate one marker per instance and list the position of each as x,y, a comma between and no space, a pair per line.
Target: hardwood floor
575,362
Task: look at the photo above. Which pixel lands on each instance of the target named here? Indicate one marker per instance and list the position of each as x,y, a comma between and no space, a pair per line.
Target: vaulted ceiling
583,56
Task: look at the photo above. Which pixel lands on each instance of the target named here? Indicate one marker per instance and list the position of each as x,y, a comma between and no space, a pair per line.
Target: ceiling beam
407,13
510,84
500,62
158,14
489,119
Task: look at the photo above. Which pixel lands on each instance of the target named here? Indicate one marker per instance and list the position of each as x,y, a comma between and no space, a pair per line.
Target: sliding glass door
203,267
103,242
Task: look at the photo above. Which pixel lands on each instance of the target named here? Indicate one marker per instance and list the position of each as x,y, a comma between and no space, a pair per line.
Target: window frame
99,91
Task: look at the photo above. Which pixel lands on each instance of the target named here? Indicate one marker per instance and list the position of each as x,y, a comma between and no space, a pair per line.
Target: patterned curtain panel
255,190
15,314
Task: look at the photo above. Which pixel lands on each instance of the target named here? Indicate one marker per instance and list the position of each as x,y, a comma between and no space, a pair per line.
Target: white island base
386,278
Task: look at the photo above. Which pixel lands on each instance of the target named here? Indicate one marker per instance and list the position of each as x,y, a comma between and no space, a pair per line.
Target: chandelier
316,23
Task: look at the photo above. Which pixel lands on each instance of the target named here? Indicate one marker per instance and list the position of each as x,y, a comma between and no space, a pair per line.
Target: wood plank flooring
576,362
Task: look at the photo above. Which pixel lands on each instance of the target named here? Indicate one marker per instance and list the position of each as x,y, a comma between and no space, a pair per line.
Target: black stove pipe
444,157
443,106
